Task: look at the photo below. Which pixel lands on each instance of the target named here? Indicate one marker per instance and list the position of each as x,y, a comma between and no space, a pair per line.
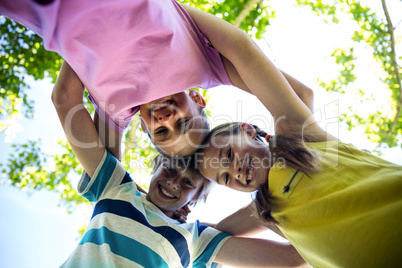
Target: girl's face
171,188
238,161
174,123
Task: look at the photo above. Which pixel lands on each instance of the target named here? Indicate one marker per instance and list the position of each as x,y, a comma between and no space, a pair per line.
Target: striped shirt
126,230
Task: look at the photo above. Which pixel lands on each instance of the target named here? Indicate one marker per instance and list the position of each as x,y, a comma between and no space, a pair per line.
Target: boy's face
174,123
171,188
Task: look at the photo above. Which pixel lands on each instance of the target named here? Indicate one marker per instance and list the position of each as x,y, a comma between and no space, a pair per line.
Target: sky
36,232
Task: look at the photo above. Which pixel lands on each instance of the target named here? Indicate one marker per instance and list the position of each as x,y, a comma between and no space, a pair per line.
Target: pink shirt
126,52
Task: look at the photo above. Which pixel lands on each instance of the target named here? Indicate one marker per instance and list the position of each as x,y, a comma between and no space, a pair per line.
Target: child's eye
171,171
226,178
183,122
229,155
188,182
160,131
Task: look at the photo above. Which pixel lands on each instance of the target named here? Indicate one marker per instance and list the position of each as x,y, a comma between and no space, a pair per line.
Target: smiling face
174,123
173,187
238,161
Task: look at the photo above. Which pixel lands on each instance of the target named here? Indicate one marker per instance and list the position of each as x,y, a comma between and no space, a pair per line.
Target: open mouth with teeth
161,105
250,173
166,194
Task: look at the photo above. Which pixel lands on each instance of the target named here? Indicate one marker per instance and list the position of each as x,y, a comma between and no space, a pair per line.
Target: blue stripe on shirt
209,250
200,227
102,178
126,178
124,246
127,210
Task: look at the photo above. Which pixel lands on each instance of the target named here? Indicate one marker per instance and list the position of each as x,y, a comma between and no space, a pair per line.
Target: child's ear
197,98
248,129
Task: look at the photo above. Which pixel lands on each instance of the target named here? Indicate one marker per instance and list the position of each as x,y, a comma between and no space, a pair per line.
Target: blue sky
36,232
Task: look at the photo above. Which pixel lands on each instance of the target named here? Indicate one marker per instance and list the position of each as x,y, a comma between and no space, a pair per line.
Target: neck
170,214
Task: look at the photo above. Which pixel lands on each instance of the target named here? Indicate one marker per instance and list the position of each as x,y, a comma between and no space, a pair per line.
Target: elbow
241,45
68,90
59,97
64,97
54,96
307,96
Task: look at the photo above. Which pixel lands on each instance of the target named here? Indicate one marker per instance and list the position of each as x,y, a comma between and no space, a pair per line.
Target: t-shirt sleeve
218,75
108,174
207,246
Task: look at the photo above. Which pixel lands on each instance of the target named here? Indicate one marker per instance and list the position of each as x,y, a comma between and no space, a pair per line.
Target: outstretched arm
78,126
257,72
305,93
244,223
252,252
208,23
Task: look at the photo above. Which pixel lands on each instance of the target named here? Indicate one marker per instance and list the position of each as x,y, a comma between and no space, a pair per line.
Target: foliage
376,33
256,17
22,54
28,167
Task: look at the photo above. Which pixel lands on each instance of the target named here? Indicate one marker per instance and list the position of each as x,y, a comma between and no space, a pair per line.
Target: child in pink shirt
128,53
140,55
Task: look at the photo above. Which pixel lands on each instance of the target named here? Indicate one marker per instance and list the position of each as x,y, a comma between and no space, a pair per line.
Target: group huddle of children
338,206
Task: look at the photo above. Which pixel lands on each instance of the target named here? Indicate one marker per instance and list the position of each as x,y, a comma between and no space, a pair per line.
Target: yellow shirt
349,215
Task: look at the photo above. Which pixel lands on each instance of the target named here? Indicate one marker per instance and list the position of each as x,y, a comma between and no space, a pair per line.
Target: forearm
110,138
249,252
77,124
244,223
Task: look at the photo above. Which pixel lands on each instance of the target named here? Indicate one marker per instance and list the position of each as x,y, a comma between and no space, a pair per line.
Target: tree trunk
396,70
250,5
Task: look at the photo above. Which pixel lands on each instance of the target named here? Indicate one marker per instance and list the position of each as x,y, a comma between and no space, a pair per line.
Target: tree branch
396,69
245,11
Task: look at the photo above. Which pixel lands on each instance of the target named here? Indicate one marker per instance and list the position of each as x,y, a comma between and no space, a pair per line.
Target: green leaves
22,54
376,33
345,60
29,167
250,15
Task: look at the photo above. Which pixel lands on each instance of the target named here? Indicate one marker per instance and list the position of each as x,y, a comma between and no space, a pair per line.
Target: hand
181,214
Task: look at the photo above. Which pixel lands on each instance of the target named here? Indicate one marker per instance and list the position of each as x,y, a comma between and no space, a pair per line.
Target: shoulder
108,174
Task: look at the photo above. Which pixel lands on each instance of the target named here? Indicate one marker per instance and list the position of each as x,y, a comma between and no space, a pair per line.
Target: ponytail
291,149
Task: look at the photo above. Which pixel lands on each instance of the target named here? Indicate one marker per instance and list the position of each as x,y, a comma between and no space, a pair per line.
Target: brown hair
289,147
